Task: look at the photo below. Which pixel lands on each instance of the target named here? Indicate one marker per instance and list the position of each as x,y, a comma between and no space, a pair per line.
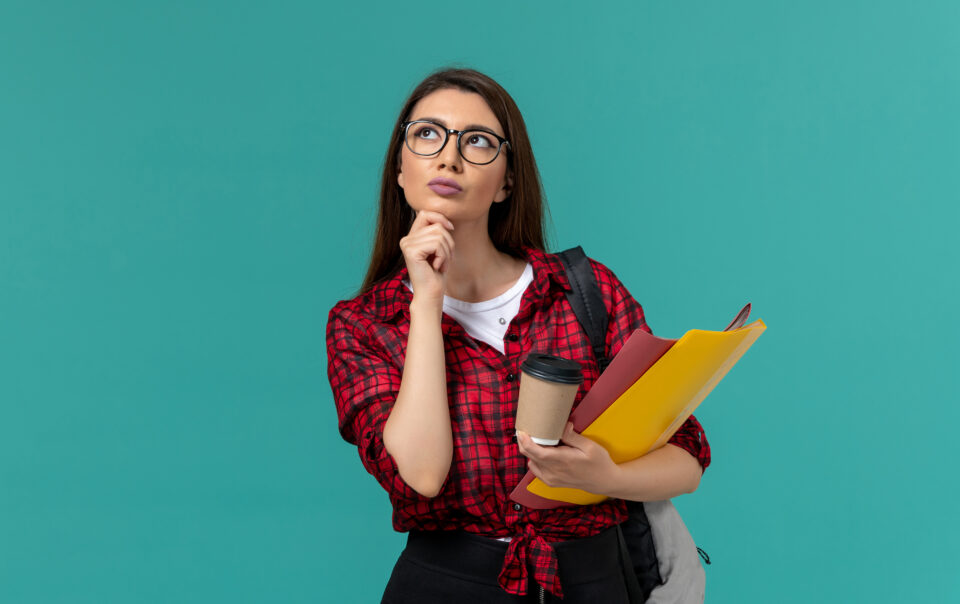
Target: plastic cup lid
552,368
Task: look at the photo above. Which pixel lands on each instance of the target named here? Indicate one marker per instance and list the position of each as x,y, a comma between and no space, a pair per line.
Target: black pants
454,566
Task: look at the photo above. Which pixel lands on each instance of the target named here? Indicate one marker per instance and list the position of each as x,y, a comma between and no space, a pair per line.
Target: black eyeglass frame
405,126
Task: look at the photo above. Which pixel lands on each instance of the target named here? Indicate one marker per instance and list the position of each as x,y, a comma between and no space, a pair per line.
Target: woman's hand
583,464
427,250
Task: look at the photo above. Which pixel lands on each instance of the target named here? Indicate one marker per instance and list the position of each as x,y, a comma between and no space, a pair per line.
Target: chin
437,203
454,209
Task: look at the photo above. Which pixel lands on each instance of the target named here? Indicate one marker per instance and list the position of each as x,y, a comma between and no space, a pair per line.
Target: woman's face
481,185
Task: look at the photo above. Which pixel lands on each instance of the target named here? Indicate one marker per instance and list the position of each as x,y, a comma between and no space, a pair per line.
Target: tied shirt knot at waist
530,547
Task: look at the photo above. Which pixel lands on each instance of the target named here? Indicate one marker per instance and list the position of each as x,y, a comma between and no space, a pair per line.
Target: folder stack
643,397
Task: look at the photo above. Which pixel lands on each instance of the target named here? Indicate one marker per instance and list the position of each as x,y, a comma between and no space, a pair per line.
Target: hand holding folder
646,393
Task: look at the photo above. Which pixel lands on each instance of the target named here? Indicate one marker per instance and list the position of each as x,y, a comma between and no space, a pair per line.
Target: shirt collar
391,297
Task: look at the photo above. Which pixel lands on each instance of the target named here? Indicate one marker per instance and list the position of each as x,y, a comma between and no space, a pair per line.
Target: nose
449,155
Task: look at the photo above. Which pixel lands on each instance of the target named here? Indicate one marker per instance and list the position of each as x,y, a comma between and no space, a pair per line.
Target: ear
399,177
505,190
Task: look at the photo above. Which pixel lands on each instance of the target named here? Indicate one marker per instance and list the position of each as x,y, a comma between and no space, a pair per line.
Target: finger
444,254
425,244
428,217
527,446
448,238
572,438
522,441
443,259
435,235
426,236
540,453
548,478
535,468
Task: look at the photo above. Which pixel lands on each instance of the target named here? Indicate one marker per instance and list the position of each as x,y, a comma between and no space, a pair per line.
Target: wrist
611,482
428,306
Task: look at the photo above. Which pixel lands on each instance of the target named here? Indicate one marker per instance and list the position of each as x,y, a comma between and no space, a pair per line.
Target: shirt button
511,377
517,507
513,337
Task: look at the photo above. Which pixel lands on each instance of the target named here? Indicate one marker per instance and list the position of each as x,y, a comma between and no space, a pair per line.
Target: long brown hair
513,223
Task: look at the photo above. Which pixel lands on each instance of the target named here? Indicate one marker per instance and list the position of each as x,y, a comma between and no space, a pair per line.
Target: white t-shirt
488,320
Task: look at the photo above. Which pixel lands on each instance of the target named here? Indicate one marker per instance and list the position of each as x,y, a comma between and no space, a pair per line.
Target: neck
478,270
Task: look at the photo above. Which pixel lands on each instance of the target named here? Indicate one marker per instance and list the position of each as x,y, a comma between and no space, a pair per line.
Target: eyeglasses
424,137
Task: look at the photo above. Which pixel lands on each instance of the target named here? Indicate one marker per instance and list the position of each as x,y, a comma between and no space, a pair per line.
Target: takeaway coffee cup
548,385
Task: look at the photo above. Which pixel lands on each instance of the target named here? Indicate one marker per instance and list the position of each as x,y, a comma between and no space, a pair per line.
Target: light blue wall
186,188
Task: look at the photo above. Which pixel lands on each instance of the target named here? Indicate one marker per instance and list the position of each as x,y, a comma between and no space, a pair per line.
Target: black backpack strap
587,301
634,589
642,551
637,549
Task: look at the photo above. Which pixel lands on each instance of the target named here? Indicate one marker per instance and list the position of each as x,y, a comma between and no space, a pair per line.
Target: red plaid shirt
366,345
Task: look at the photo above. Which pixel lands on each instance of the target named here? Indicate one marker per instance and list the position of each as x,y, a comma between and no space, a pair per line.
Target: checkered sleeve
365,385
626,316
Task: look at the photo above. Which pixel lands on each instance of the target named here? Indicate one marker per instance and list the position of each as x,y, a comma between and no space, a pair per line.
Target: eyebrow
468,127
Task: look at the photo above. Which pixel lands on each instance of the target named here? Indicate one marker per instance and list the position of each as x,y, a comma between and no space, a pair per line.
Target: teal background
187,188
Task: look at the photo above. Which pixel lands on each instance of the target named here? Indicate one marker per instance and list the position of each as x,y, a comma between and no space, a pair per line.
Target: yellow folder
652,409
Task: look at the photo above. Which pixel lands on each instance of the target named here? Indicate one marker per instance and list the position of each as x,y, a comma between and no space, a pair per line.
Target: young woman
425,361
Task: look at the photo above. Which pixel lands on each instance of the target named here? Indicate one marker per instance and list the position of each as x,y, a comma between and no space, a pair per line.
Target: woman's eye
479,140
425,132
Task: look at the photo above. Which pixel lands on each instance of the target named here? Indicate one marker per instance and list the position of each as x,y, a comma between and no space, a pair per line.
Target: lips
444,186
443,190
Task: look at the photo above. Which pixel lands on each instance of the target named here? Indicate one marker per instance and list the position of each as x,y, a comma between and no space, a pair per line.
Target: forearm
662,474
417,434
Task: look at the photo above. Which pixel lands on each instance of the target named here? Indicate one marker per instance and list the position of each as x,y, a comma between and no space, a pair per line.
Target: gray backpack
661,560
